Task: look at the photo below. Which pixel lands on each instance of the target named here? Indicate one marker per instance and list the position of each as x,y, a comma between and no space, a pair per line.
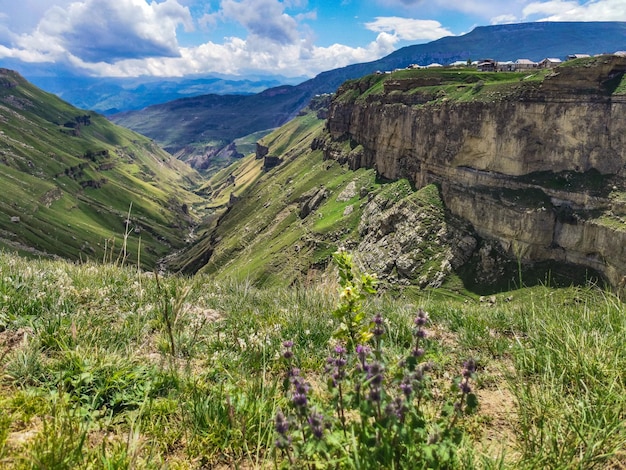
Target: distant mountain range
195,126
114,95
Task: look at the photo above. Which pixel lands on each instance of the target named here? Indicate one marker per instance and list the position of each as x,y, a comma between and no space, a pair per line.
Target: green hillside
259,231
70,177
93,377
190,126
261,235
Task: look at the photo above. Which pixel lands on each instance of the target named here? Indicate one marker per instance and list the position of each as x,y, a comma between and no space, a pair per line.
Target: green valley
76,186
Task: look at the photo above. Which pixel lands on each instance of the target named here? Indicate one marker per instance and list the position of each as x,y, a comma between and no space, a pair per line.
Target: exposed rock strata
540,171
405,240
203,161
311,200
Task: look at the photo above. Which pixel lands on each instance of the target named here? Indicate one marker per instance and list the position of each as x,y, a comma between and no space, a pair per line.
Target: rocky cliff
535,162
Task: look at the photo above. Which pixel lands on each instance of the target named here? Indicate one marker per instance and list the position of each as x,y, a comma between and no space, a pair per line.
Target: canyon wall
540,169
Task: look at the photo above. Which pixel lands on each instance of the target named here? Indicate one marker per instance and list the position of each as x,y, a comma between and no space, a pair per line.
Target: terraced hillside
70,178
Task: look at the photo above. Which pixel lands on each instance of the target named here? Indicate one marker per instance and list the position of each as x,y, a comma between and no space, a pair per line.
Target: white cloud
25,14
237,56
553,7
409,29
498,11
504,19
106,30
134,37
25,55
559,10
265,19
276,43
482,8
338,55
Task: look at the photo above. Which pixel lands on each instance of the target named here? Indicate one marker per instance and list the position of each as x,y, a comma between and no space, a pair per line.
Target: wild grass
92,376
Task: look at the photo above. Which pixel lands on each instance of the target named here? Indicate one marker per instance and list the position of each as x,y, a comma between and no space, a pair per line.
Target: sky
292,38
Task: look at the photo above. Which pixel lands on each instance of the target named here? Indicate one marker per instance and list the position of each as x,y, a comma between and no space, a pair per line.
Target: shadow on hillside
511,275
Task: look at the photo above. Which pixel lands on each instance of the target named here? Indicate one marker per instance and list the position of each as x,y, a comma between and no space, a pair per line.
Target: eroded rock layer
539,167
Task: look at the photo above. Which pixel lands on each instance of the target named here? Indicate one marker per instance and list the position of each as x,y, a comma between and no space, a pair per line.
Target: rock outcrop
540,169
405,241
205,160
311,200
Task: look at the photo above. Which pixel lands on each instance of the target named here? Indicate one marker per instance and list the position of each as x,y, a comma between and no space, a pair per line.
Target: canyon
536,166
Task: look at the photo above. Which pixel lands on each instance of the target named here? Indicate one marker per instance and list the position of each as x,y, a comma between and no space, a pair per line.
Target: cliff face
538,166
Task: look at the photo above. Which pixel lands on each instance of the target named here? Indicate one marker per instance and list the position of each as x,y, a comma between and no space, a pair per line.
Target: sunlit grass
88,375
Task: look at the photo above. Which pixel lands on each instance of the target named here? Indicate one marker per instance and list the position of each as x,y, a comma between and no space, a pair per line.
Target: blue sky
241,37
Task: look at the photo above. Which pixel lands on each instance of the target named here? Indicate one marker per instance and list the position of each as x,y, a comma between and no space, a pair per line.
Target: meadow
106,366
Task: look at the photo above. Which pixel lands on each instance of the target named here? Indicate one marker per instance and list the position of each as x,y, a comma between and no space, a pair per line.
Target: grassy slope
88,380
261,236
454,84
46,170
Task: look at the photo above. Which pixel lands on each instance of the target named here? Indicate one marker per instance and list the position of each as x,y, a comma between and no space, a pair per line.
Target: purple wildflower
375,380
397,408
419,333
469,367
465,386
293,374
288,352
421,318
281,425
316,423
379,328
301,388
362,352
406,387
336,365
417,352
374,394
375,374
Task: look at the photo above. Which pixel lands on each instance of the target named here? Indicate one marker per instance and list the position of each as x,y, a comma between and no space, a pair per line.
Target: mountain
193,127
114,95
108,95
77,186
435,177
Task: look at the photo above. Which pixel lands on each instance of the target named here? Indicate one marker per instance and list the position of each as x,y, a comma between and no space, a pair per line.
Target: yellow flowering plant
353,329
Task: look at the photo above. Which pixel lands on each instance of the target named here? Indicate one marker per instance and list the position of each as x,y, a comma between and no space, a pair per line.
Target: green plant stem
455,418
167,316
342,416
